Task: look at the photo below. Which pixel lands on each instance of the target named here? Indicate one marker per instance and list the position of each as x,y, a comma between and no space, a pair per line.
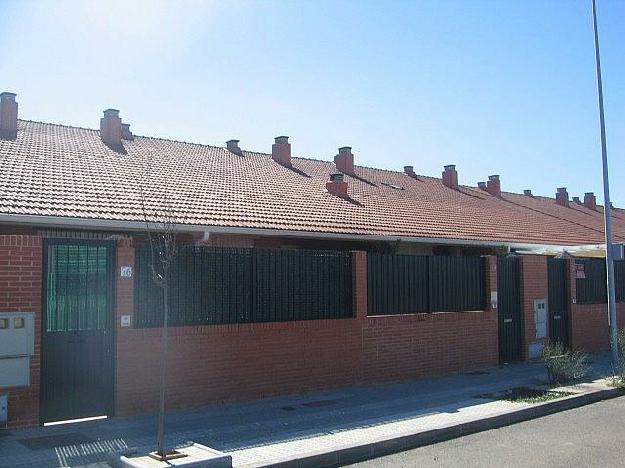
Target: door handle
508,320
556,317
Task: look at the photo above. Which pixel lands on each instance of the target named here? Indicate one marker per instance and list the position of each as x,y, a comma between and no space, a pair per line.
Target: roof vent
345,160
562,196
126,133
577,200
8,116
590,201
233,147
493,186
111,128
528,192
337,186
281,151
481,185
450,176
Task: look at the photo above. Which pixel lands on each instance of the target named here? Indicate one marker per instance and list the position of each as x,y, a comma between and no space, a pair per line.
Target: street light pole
607,209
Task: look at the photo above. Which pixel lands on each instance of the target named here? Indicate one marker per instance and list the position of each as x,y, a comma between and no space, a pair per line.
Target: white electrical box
17,344
540,317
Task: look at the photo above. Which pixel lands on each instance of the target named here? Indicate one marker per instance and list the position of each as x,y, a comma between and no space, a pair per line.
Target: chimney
281,151
111,128
233,147
126,133
493,186
345,160
8,116
481,185
450,176
590,201
562,196
337,186
528,192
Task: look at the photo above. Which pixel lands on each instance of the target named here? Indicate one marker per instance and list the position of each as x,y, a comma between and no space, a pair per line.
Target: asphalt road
590,436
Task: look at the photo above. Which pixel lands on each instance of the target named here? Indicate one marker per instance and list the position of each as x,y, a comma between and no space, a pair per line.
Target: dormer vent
345,160
8,116
281,151
233,147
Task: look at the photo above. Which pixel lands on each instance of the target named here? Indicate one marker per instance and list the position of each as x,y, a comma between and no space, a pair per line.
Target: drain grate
54,441
319,403
477,372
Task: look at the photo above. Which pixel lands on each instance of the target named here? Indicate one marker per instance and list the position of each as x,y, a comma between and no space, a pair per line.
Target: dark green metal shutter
558,300
509,308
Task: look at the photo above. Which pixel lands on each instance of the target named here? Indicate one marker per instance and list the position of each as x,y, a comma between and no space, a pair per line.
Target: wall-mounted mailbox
540,317
17,344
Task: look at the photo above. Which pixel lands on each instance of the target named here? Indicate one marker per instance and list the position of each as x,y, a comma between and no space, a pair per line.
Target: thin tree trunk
160,448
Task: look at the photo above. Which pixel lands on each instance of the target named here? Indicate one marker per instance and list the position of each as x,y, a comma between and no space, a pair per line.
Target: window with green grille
77,287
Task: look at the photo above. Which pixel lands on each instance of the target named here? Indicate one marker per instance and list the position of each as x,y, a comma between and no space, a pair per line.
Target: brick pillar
359,274
124,304
575,327
534,286
20,291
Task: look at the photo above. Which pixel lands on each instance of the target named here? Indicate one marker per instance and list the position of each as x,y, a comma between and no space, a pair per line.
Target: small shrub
619,374
564,365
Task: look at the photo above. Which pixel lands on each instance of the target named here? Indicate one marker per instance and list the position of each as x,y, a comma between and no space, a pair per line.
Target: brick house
73,203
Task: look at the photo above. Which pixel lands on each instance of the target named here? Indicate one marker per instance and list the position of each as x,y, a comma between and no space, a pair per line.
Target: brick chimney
281,151
590,201
8,116
528,192
481,185
577,200
126,133
111,128
337,186
233,147
450,176
345,160
562,196
493,186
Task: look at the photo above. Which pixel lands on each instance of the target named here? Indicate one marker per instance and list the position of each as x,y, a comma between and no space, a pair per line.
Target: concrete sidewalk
278,430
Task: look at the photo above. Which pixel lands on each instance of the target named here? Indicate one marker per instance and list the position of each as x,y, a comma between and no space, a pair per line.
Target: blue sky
496,87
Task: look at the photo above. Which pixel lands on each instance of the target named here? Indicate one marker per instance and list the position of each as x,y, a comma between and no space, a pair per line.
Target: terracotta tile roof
54,170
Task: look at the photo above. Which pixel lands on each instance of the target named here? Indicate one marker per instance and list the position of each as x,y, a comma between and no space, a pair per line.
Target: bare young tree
161,229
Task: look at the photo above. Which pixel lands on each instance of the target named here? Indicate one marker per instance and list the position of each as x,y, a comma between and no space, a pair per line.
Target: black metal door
558,300
77,357
509,308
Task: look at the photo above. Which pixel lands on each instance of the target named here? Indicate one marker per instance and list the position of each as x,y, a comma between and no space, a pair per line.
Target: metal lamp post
607,210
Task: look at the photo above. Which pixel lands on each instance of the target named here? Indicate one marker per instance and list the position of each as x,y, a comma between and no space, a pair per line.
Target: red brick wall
20,291
534,285
224,362
589,322
419,345
589,326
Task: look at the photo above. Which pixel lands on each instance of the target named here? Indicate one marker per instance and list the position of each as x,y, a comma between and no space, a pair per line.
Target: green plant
532,395
563,365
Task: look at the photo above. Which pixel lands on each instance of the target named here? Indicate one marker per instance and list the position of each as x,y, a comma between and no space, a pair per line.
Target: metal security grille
557,275
592,288
77,287
407,284
221,285
509,308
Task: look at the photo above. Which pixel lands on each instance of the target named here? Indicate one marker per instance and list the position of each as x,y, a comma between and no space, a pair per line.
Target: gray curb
355,453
